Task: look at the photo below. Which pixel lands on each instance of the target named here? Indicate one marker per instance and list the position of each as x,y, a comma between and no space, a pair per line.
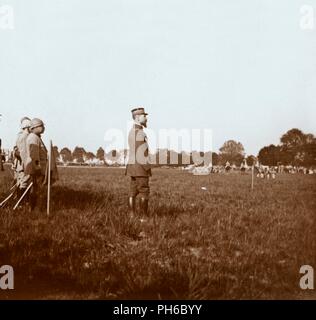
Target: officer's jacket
36,155
138,163
21,154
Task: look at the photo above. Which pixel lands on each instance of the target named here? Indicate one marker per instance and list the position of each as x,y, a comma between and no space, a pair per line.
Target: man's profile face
39,130
142,120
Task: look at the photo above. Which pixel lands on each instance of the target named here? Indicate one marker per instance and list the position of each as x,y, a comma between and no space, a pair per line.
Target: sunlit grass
225,242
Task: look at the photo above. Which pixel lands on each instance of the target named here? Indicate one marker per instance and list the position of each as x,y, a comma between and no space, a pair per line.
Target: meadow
207,237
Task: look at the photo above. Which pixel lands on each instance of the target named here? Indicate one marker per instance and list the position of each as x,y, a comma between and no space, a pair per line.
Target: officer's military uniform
36,164
20,156
138,166
23,179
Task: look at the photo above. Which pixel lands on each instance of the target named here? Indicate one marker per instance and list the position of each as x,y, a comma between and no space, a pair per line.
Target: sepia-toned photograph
157,150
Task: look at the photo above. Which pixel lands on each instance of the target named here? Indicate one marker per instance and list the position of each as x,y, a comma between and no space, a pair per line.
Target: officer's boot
32,201
144,206
18,194
132,206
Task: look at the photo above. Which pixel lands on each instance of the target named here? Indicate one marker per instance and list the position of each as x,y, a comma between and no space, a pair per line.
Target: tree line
295,148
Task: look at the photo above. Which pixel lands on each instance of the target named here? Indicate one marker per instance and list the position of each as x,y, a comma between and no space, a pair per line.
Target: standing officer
37,159
138,166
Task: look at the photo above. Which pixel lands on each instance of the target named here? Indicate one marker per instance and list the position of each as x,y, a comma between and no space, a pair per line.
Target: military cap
36,123
139,111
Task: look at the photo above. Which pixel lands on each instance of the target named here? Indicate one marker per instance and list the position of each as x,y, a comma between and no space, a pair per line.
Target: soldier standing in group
138,166
20,154
36,165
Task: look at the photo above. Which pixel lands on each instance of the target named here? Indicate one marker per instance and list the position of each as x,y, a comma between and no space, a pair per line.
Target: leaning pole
49,176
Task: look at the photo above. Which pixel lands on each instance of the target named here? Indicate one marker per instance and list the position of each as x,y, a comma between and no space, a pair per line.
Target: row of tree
296,148
79,155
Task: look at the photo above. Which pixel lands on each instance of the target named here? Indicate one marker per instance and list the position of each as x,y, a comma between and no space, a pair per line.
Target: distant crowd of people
263,171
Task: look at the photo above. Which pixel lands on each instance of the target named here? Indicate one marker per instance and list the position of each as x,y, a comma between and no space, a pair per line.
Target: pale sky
244,69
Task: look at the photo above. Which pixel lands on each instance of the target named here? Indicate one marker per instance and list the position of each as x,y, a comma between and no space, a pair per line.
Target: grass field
225,242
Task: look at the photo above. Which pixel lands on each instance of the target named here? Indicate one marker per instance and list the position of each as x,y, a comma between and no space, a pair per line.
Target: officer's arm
142,152
34,155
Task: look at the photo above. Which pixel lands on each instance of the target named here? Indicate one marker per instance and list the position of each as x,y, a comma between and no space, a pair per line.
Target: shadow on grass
67,198
166,210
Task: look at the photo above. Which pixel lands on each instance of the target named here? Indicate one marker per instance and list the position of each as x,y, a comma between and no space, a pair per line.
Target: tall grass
226,242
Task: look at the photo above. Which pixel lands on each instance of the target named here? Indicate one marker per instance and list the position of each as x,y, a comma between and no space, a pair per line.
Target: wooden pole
23,195
7,199
252,177
49,176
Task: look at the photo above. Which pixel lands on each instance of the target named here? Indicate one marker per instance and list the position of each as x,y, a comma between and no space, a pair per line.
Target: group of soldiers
30,161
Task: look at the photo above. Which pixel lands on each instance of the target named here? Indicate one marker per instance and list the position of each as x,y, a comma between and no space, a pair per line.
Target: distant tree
161,157
293,138
298,148
66,155
90,156
101,154
79,154
232,151
270,156
173,158
183,158
310,138
309,151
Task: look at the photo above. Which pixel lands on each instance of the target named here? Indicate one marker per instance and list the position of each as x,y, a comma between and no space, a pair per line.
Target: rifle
5,201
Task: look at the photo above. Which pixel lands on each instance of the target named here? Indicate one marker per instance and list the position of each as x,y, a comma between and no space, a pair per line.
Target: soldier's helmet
25,118
25,123
36,123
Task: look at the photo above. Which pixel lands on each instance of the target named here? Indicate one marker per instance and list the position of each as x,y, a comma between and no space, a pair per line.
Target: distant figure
243,166
227,166
20,157
37,161
138,166
2,156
